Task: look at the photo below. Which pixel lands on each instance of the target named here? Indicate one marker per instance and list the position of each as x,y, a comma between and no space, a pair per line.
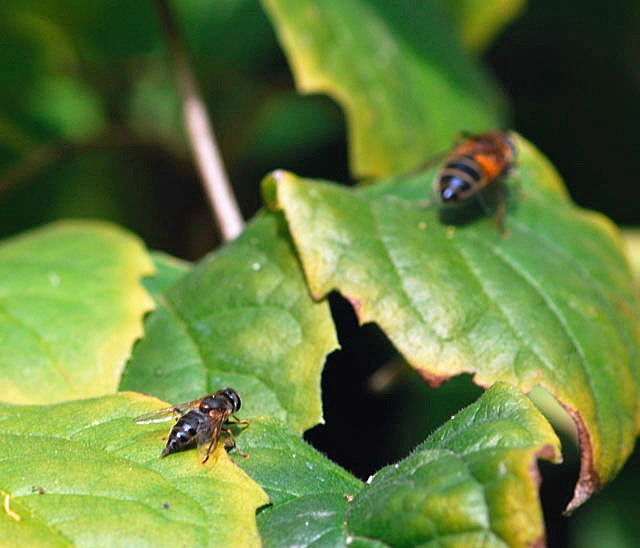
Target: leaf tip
269,187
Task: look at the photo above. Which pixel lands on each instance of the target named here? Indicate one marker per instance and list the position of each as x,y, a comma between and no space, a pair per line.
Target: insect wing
208,434
423,168
163,415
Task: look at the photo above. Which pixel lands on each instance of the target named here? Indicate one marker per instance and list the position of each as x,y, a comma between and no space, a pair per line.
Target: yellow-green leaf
71,306
83,474
632,246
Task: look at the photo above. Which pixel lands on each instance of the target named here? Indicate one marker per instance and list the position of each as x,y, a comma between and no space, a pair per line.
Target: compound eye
234,397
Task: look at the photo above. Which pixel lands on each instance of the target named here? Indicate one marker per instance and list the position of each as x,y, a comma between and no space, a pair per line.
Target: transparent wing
208,435
431,162
162,415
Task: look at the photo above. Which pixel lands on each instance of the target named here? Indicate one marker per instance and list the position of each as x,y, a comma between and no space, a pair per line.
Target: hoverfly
203,421
473,164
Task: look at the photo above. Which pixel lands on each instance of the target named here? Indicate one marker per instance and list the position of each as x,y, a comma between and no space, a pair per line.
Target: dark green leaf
473,482
611,518
242,317
168,271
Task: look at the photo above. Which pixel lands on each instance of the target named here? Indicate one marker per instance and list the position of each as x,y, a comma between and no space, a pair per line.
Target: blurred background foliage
90,127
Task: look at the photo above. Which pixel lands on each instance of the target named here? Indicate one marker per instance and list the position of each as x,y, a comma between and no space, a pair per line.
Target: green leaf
292,473
82,473
552,304
242,317
286,466
68,106
472,482
478,22
289,127
168,271
71,306
406,85
308,492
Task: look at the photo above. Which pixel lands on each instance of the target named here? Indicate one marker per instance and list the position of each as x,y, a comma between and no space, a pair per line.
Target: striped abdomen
183,432
460,178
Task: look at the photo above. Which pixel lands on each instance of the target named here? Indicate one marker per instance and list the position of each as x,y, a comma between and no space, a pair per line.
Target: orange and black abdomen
472,165
460,177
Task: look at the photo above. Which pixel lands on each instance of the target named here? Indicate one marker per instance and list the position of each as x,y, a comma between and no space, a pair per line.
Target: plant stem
200,132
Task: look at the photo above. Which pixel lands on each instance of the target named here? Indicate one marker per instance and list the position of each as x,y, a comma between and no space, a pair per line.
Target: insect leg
208,451
500,210
230,442
483,203
207,439
238,421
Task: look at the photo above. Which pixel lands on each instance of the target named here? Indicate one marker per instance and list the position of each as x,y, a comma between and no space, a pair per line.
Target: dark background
570,72
101,137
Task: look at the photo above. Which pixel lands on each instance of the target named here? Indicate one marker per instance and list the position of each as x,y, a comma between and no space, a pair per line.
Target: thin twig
200,131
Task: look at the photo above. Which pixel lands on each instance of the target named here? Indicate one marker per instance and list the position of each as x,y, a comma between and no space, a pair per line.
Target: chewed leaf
244,318
71,306
82,473
552,304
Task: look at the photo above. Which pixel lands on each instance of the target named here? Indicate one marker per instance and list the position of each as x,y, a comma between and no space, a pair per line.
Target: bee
474,163
204,421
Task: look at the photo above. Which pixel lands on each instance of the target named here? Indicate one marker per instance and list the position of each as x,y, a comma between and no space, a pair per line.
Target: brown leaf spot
357,306
588,480
433,380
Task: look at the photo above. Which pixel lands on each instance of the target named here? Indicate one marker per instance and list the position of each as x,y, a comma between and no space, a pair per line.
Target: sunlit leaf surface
82,473
71,306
